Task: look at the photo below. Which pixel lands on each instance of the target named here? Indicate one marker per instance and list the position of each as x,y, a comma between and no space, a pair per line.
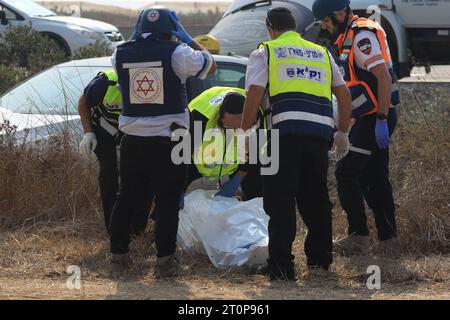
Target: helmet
209,42
323,8
156,19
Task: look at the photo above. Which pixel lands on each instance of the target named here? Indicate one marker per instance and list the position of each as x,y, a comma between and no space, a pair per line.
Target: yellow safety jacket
106,115
300,78
214,159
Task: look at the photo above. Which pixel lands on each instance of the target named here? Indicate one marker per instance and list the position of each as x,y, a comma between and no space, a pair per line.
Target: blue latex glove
182,201
180,32
136,27
230,187
382,134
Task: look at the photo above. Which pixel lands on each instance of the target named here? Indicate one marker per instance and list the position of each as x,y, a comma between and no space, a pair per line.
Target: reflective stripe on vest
300,80
112,130
109,111
364,95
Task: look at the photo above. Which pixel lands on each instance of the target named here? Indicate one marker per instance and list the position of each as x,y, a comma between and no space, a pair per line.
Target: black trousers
147,172
251,185
364,174
108,181
301,178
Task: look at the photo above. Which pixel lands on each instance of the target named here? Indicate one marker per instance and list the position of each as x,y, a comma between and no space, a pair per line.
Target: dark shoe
166,267
258,270
318,271
352,245
310,264
119,264
278,271
390,248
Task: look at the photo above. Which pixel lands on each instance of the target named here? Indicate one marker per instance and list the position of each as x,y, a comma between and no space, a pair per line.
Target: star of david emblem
145,89
153,16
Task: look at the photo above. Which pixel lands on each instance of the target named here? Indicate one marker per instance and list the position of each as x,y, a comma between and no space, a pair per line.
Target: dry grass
44,183
420,169
50,218
34,261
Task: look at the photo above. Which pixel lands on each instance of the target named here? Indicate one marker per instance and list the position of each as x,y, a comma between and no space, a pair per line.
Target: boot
278,271
390,248
166,267
352,245
119,263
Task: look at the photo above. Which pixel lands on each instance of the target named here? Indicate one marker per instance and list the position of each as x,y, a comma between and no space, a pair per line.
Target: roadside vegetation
25,52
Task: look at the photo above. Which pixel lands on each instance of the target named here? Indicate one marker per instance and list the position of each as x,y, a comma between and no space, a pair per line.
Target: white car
46,104
70,33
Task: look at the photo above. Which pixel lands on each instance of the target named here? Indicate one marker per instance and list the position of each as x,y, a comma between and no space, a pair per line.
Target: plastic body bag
231,232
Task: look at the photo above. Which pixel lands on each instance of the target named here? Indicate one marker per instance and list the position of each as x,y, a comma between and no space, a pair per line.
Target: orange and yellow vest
362,83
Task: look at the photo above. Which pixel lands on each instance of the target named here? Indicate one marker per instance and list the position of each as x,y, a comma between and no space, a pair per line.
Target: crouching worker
218,109
99,108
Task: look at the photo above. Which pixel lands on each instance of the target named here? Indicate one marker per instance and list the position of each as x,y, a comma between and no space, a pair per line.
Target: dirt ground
34,262
212,289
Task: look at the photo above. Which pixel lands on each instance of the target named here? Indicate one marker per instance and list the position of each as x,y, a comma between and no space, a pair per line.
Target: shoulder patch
365,46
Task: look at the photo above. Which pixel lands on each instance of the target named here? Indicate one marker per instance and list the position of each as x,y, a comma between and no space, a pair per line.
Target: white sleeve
367,50
113,60
257,69
187,62
338,80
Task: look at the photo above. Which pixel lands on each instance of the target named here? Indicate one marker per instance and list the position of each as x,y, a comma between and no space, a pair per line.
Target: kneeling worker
220,108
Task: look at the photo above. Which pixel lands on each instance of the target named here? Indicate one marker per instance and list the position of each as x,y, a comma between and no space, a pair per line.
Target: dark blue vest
153,89
308,104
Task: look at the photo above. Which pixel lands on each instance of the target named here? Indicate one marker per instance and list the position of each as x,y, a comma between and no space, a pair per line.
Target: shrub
10,76
25,52
27,48
96,50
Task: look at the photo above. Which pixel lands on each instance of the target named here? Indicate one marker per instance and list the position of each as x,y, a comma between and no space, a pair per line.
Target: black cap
233,103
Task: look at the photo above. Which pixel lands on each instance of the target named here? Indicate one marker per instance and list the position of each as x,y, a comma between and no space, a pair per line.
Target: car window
30,8
240,33
54,91
226,75
57,90
10,15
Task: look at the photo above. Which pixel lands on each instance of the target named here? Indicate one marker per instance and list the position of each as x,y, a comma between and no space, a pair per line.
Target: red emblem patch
365,46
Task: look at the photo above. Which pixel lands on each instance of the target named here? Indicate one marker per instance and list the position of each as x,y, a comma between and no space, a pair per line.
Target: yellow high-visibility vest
300,79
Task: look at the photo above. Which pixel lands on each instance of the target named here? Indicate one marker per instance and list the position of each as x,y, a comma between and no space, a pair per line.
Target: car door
228,74
12,18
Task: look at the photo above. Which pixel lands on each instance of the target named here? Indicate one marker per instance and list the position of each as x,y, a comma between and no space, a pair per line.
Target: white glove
88,143
341,144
